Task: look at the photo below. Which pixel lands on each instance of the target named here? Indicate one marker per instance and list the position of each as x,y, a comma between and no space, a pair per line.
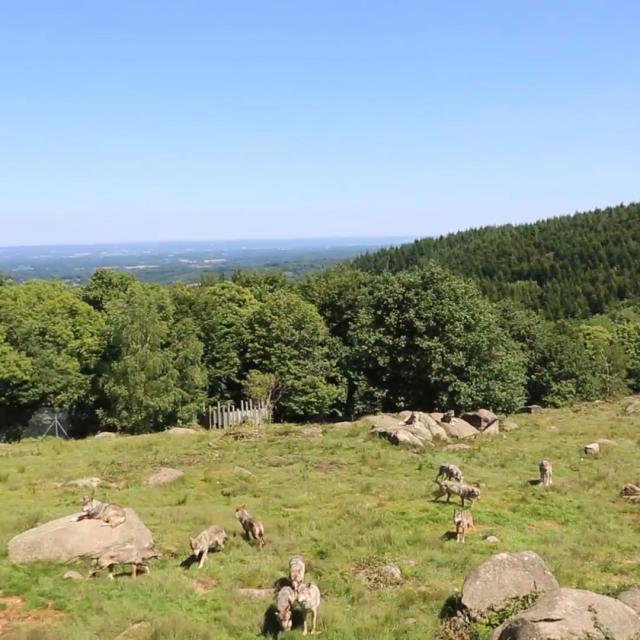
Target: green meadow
346,501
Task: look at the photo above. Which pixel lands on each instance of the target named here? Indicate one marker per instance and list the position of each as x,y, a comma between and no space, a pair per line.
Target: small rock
242,472
164,475
458,447
591,449
492,540
105,434
392,572
226,492
72,575
509,425
312,432
91,482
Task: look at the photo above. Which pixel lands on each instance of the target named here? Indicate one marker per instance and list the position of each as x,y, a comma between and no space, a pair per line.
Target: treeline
136,357
567,267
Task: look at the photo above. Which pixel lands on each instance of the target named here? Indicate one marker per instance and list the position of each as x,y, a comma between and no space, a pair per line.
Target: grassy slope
374,503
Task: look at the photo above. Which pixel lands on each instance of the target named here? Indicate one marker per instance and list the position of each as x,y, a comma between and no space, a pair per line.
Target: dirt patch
202,586
12,612
377,574
327,466
192,459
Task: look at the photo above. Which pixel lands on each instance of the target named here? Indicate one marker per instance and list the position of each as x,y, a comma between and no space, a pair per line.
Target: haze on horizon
166,122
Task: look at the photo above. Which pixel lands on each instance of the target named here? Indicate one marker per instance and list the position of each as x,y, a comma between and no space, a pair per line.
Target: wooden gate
226,414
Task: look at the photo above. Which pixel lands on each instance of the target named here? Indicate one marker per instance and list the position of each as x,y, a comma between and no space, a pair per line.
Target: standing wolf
546,472
464,491
449,472
110,513
211,538
309,599
252,528
284,599
125,554
463,522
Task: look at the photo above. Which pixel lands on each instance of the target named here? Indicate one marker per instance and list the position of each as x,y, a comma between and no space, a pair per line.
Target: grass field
346,501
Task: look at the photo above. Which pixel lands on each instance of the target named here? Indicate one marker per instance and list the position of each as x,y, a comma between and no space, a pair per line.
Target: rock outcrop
480,419
65,540
459,429
572,614
503,577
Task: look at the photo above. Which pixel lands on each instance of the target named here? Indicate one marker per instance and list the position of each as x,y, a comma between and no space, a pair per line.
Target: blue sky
214,120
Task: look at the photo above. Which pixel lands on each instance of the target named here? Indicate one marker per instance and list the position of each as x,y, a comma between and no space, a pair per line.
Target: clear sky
171,120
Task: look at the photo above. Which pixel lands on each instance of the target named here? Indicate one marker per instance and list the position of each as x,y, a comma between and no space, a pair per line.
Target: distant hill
571,266
182,261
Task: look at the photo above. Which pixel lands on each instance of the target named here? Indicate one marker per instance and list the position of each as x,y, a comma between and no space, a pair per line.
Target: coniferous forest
566,267
495,317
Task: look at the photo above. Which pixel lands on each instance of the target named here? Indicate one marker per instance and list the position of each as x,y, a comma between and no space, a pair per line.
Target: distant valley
183,261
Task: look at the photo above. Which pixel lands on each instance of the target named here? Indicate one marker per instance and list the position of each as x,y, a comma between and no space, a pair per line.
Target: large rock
502,577
492,430
459,429
480,419
572,614
398,431
382,421
631,597
64,539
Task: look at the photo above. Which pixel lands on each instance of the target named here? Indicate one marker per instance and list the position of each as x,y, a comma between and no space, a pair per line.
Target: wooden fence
225,414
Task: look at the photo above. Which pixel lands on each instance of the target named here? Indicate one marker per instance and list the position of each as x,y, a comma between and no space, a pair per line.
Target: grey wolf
253,529
211,538
309,599
110,513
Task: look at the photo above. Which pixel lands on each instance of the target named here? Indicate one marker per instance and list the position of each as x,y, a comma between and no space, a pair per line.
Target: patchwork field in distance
344,500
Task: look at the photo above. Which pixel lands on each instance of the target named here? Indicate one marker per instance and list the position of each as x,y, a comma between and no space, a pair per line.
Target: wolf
449,472
463,522
124,554
466,492
253,529
546,472
309,599
296,572
211,538
110,513
284,599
